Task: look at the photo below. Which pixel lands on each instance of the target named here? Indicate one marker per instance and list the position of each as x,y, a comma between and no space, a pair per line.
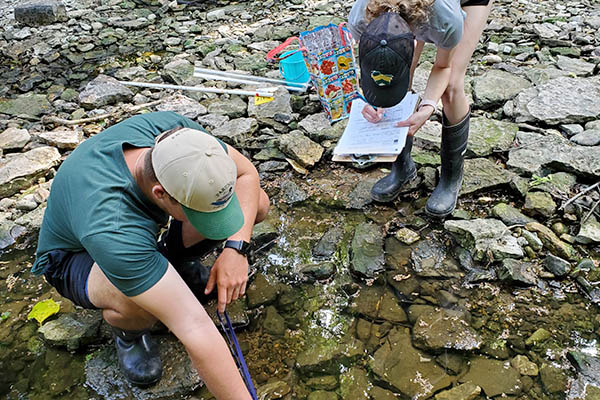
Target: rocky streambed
349,299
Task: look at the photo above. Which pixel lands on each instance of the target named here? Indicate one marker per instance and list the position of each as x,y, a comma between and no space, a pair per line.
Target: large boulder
40,12
32,105
496,87
102,91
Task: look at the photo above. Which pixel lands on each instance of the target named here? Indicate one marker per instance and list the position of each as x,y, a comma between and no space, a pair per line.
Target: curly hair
415,12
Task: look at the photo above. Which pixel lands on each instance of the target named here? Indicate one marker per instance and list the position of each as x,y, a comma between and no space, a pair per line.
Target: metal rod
244,81
259,92
252,77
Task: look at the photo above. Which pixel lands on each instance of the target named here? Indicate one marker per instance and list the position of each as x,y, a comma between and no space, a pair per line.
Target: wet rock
367,256
261,291
575,66
237,131
429,259
273,390
10,233
587,138
378,393
589,231
327,356
411,372
453,363
443,329
300,148
72,330
495,377
32,105
178,71
325,382
466,391
103,90
377,303
488,136
552,242
361,195
66,139
327,245
586,365
537,337
355,384
554,379
273,324
495,87
291,193
14,139
182,105
407,236
524,366
482,174
322,395
179,378
510,215
234,107
319,271
560,101
40,12
539,203
557,266
21,171
519,272
485,236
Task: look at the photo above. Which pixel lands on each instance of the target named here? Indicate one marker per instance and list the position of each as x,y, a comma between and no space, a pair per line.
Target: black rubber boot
403,170
454,145
138,356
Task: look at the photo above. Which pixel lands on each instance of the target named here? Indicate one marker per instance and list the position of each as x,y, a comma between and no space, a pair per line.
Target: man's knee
263,206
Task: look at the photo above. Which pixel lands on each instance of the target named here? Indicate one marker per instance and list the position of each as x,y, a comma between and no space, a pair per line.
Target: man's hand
230,274
416,120
371,114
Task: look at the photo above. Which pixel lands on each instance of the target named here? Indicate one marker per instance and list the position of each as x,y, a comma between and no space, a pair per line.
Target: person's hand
371,114
416,120
230,274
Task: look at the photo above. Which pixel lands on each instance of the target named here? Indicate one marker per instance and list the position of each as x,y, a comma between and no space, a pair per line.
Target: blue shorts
68,272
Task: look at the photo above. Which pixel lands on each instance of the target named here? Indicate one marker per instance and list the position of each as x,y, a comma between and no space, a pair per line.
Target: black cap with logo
385,51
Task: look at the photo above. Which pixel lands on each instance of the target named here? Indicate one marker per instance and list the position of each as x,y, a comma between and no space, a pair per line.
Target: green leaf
42,310
4,316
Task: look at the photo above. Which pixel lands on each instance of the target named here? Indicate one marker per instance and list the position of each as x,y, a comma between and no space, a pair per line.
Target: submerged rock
519,272
554,379
466,391
325,356
443,329
411,372
378,303
355,384
495,377
328,244
367,256
430,259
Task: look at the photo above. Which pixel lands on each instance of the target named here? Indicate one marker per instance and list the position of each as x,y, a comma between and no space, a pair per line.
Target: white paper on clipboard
362,137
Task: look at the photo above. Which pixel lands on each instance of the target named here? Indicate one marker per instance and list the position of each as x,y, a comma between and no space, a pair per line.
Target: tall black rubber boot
186,261
454,145
403,170
138,356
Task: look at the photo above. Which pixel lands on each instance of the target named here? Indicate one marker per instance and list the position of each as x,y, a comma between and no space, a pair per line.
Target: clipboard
354,147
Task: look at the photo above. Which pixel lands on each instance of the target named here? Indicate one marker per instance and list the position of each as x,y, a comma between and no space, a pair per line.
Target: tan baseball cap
195,169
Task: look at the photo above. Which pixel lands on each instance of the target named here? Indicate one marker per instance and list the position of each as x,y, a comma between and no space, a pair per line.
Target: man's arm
172,302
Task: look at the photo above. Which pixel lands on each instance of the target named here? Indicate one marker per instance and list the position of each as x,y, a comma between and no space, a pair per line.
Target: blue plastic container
292,67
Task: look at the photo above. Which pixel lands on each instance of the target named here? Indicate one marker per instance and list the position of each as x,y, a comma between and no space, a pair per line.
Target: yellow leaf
42,310
258,100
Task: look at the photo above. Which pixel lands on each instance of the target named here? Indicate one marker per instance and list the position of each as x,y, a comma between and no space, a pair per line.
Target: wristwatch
241,246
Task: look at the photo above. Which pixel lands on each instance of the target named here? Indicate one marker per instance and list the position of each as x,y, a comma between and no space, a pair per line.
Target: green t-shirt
96,205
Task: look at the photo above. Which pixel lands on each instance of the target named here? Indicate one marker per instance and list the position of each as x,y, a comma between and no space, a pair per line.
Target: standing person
392,35
98,240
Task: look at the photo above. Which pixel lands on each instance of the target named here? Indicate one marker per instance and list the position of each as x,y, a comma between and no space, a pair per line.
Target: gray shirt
444,28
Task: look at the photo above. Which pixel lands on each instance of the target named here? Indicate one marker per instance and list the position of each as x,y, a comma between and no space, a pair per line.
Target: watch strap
240,246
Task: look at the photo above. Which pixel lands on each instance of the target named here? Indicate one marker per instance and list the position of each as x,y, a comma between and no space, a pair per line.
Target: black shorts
475,3
68,272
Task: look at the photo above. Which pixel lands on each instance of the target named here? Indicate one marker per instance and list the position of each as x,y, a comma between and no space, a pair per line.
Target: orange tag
262,100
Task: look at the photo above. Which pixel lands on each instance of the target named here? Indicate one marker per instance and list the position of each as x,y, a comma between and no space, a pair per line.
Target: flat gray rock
104,90
587,138
560,101
430,259
23,169
40,12
496,87
182,105
440,329
72,330
519,272
575,66
237,131
367,256
589,232
14,139
488,136
510,215
178,71
233,107
66,139
29,104
300,148
483,174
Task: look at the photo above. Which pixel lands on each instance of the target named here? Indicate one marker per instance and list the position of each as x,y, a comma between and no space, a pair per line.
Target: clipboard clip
362,159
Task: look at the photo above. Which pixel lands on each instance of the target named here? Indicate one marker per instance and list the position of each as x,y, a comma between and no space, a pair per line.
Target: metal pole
260,92
244,81
252,77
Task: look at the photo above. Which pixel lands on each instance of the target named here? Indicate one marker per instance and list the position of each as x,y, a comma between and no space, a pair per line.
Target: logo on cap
381,79
224,195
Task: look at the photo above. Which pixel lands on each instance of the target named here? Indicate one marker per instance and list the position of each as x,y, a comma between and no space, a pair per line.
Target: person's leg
456,117
136,350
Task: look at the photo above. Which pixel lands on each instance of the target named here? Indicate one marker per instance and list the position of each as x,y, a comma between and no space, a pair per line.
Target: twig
578,195
49,119
589,213
532,128
508,228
